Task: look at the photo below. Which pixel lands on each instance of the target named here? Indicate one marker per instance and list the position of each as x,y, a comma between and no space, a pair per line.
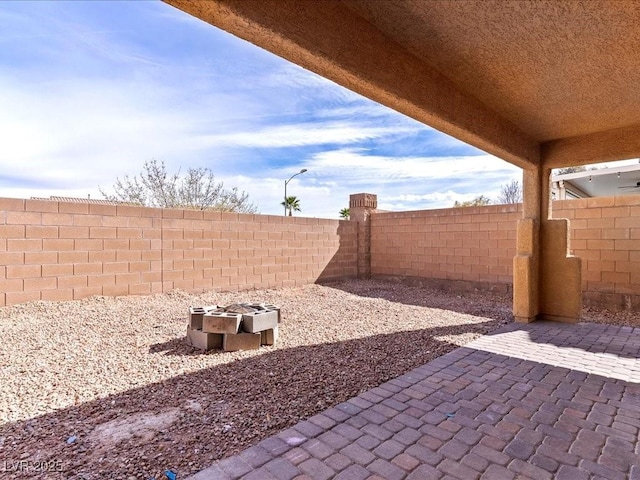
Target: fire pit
239,326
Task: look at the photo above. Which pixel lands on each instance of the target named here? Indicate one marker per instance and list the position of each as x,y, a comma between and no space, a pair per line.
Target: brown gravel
117,374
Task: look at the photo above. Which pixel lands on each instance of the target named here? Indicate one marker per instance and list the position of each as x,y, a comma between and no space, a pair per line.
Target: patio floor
543,400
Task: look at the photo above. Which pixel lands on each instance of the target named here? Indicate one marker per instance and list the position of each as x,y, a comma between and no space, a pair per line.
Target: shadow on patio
472,413
203,416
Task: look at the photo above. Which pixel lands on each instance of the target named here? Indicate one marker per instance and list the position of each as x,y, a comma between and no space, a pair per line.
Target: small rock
294,441
71,439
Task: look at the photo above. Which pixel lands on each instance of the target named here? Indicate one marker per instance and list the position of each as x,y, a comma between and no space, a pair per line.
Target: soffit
554,69
608,182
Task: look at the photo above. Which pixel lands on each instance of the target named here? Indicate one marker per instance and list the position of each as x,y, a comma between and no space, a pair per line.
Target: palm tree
292,204
345,213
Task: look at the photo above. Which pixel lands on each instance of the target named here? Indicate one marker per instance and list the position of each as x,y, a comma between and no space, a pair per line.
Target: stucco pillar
526,264
546,279
361,206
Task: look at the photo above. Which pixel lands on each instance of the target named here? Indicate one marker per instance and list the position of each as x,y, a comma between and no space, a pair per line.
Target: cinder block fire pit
239,326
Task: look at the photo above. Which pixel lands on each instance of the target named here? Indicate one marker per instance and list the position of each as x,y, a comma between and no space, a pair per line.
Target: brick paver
543,400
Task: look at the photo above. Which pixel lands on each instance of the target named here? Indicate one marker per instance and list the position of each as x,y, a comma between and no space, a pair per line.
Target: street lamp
285,188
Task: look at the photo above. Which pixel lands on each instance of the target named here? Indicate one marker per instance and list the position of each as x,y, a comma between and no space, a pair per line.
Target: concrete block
221,322
256,306
274,308
258,321
239,308
203,340
196,314
269,337
240,341
265,306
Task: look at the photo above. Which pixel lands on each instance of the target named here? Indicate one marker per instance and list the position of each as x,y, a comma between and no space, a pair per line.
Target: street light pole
285,188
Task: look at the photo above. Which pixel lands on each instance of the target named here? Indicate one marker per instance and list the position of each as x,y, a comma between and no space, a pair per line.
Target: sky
91,90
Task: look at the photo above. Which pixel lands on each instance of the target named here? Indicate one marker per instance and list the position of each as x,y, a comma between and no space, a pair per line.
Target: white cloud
291,76
447,196
367,109
355,163
92,130
302,134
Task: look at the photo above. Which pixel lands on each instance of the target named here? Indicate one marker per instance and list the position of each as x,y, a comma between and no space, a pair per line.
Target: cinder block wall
605,233
474,247
62,251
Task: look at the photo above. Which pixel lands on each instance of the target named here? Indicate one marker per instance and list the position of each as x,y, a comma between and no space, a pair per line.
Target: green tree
476,202
292,204
197,189
345,213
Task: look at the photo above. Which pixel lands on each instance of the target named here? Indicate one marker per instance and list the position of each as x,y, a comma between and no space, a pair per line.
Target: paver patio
543,400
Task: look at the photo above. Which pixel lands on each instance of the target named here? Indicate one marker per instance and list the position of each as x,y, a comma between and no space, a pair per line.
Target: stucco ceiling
550,83
556,69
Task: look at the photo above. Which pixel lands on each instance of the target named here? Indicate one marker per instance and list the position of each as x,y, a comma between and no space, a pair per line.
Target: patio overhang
538,84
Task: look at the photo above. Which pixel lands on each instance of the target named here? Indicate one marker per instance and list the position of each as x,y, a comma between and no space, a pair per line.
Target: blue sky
91,90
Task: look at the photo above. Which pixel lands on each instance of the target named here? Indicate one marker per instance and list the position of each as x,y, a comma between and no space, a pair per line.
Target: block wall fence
63,251
473,248
605,233
475,245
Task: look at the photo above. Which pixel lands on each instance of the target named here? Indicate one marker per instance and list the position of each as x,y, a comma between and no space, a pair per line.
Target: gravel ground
108,388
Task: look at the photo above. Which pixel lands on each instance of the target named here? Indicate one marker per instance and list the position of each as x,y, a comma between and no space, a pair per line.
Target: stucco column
560,272
526,264
546,279
361,206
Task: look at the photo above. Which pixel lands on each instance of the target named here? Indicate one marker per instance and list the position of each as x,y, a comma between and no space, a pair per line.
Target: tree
292,204
345,213
562,171
510,193
198,189
476,202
